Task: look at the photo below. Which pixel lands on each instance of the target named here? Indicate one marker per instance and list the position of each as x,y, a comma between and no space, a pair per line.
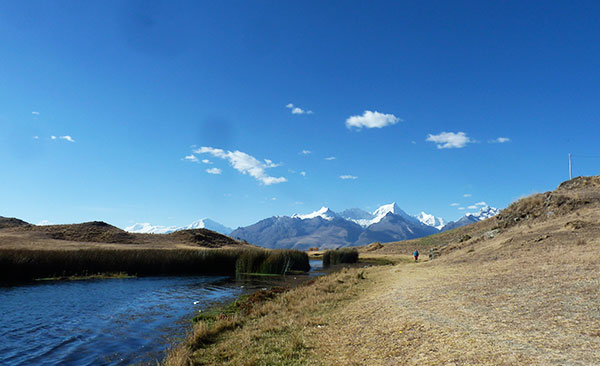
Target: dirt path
453,314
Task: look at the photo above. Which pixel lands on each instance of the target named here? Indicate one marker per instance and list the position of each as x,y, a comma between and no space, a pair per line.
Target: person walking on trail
416,254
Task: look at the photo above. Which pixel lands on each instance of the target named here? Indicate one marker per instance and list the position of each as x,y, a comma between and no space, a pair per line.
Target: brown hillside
8,222
572,197
202,237
92,232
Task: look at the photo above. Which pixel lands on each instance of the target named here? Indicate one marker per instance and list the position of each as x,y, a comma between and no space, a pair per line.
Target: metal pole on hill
570,168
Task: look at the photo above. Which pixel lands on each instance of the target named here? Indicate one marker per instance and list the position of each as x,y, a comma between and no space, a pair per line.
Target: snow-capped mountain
365,219
323,212
484,212
382,211
356,214
430,220
327,229
147,228
210,225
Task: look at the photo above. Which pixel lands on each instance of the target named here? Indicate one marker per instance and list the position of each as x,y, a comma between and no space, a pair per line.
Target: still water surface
107,322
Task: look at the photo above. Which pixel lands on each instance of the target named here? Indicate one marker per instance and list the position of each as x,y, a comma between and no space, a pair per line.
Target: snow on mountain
210,225
484,213
365,219
147,228
323,212
430,220
356,214
380,213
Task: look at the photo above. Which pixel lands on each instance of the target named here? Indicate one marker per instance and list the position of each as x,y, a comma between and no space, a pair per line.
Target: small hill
202,237
93,232
9,222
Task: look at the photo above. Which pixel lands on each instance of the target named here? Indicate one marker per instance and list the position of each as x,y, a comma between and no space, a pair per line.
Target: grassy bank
268,327
24,265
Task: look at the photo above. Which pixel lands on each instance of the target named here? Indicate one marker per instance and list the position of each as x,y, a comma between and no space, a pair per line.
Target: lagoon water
107,322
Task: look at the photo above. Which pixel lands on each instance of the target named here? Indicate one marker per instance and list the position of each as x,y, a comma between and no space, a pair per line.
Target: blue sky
409,98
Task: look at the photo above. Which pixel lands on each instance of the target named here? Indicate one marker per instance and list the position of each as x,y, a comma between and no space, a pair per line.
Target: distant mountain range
485,212
146,228
325,228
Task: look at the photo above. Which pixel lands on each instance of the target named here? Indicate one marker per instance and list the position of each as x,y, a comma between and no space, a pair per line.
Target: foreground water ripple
106,322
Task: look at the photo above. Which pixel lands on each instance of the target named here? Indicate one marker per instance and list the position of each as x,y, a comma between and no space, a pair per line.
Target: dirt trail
512,312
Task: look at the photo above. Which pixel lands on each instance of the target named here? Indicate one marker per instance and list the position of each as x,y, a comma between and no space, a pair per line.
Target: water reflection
109,322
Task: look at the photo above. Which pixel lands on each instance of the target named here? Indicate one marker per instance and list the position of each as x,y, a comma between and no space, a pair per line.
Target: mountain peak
323,212
485,212
384,209
430,220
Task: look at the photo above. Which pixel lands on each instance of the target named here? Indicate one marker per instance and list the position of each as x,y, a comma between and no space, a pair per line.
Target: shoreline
243,314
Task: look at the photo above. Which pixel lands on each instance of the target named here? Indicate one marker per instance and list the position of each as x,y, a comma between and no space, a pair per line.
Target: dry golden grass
527,293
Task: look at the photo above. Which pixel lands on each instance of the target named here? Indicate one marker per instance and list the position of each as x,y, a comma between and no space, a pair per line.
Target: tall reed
340,255
22,265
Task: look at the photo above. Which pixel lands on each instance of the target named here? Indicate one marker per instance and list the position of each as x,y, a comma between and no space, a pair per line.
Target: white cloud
270,164
206,161
455,204
66,138
371,119
53,137
461,208
35,113
500,140
213,171
44,223
467,195
305,152
330,158
298,203
348,177
472,207
36,137
298,110
244,163
303,174
191,158
448,140
482,203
